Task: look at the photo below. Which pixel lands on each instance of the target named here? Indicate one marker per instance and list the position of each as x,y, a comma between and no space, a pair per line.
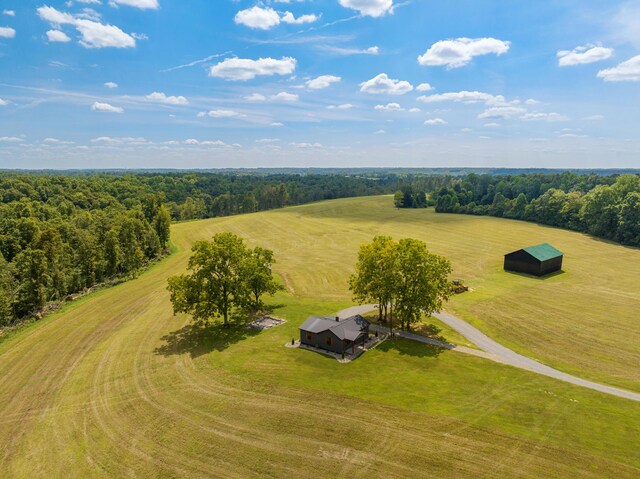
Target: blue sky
322,83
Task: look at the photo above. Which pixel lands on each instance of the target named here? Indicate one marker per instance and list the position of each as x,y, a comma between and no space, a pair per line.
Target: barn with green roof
538,260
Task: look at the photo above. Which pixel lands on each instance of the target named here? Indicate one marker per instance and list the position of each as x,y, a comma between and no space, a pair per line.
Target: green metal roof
543,252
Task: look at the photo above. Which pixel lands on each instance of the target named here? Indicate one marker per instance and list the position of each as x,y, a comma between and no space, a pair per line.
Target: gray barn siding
319,340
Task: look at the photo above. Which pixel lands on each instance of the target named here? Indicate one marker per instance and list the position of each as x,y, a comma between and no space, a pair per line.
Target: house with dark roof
334,334
538,260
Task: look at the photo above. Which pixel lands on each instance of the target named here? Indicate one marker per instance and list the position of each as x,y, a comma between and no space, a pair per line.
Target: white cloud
223,114
501,113
256,97
415,110
344,106
242,69
371,8
93,34
350,51
3,102
160,97
11,139
284,96
56,141
290,19
276,123
258,17
424,87
539,116
531,101
625,71
306,145
105,107
141,4
435,122
10,13
594,118
7,32
389,107
57,36
111,85
583,55
464,97
460,51
323,81
382,84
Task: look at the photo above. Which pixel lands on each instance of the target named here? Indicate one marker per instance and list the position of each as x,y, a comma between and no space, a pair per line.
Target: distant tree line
604,206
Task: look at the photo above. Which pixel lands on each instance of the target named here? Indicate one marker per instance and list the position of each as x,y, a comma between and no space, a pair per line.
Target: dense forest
60,235
604,206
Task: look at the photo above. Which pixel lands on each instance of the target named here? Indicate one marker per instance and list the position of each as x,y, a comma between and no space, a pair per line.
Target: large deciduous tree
402,277
225,274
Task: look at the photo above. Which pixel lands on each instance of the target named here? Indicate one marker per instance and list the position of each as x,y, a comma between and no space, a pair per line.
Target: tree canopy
403,277
225,275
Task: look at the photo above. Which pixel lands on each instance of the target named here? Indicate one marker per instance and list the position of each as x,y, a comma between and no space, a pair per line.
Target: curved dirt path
496,352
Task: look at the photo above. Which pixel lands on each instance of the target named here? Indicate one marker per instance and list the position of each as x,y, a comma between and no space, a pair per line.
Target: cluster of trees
411,197
57,241
225,275
607,207
402,277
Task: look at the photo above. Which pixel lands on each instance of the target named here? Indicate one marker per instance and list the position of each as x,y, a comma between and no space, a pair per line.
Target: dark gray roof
349,328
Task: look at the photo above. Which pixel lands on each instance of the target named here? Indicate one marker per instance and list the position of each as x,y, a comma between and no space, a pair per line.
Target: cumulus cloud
7,32
11,139
424,87
284,96
389,107
289,18
141,4
323,81
265,18
625,71
459,52
501,113
160,97
255,97
10,13
57,36
258,17
371,8
93,34
464,97
111,85
3,102
243,69
583,55
106,107
435,122
382,84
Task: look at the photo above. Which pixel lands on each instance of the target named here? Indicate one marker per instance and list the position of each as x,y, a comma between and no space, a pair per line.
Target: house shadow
533,276
198,339
411,348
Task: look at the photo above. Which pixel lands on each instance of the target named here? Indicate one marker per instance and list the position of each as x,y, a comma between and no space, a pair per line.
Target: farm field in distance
115,385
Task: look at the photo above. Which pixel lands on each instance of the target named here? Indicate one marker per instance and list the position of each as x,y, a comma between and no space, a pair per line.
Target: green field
116,386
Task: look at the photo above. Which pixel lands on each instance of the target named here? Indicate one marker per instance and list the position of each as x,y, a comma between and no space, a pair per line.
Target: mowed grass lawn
116,386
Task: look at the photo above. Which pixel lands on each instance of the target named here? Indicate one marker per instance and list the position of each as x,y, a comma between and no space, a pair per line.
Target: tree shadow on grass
198,339
411,348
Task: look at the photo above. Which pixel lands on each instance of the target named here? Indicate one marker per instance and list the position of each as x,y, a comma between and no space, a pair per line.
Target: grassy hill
115,385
